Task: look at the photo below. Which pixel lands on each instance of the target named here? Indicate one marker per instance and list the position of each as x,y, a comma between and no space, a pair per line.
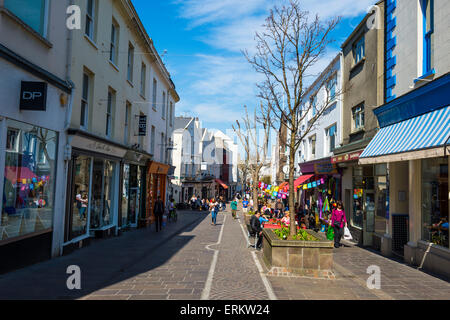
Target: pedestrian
245,205
158,211
255,225
338,221
279,208
234,205
214,209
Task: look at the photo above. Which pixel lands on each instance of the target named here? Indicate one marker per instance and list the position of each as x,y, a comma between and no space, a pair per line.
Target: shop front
318,188
413,142
221,189
156,186
133,183
92,189
32,141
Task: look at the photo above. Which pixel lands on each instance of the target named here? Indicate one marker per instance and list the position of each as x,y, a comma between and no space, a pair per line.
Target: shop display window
81,195
102,207
29,182
435,192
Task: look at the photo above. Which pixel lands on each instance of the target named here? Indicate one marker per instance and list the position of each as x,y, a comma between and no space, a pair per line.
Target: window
161,152
331,86
435,201
29,184
84,102
358,50
143,78
313,102
90,19
114,43
152,146
110,112
155,84
428,34
331,136
164,106
358,117
130,62
126,137
312,143
32,12
171,114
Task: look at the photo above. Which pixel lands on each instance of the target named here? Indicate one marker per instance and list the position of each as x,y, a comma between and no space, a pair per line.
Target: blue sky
203,39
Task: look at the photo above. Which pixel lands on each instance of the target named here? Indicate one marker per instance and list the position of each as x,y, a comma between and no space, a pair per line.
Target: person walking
158,211
245,205
233,206
255,225
213,208
279,208
338,221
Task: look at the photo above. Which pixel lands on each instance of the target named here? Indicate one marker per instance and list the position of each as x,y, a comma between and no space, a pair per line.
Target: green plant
302,235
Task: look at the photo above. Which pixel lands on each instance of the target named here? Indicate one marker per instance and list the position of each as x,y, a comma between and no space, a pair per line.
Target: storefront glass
131,195
102,193
363,197
125,194
80,206
435,192
29,182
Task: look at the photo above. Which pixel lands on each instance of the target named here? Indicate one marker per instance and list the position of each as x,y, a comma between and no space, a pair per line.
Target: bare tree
255,152
291,44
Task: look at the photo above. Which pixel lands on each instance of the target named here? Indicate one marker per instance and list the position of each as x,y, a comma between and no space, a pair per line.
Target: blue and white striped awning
429,130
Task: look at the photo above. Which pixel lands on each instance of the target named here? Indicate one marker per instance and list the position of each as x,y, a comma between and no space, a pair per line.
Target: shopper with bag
338,221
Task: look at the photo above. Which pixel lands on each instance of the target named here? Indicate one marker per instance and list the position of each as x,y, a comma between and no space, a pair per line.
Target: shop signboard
33,96
353,156
325,167
142,126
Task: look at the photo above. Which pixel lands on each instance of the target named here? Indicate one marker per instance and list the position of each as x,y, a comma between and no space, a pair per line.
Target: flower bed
298,256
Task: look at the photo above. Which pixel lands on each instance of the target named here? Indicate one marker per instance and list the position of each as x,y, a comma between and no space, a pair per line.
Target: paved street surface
192,259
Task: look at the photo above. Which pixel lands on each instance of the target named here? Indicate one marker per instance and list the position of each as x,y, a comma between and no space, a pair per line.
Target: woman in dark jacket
338,221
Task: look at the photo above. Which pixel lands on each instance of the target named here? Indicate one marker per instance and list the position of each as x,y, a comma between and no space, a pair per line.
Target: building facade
415,132
363,91
35,96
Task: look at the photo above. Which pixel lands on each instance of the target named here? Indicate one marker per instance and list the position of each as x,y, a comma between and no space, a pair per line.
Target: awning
222,183
428,131
283,184
300,180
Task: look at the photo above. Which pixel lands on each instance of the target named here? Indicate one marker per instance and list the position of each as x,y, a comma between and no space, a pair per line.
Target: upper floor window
110,112
313,102
312,144
143,78
32,12
126,137
90,19
152,145
358,50
164,106
155,85
331,137
114,47
358,117
130,62
171,114
331,87
428,35
84,112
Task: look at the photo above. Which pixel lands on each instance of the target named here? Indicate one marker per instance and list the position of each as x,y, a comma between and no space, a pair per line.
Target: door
369,218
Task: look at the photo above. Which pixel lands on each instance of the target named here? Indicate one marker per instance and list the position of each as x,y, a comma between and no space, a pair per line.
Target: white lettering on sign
27,95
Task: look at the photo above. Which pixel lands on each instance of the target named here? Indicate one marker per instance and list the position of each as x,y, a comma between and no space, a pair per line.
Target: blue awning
429,130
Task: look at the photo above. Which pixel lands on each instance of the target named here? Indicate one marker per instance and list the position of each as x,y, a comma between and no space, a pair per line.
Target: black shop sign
142,126
33,96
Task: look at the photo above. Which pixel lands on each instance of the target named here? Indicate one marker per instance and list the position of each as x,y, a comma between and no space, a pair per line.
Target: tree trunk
292,191
255,190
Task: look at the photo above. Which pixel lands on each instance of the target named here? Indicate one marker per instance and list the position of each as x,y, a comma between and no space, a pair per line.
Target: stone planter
295,257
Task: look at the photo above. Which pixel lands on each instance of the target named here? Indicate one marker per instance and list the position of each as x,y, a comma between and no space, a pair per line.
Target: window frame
114,45
428,36
85,102
143,79
130,63
356,49
90,16
110,113
154,100
361,114
127,126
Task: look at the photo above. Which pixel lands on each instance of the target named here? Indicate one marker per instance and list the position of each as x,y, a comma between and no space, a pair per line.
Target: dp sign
33,96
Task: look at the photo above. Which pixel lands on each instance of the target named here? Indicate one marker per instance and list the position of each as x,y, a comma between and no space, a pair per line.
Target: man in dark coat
255,225
158,211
